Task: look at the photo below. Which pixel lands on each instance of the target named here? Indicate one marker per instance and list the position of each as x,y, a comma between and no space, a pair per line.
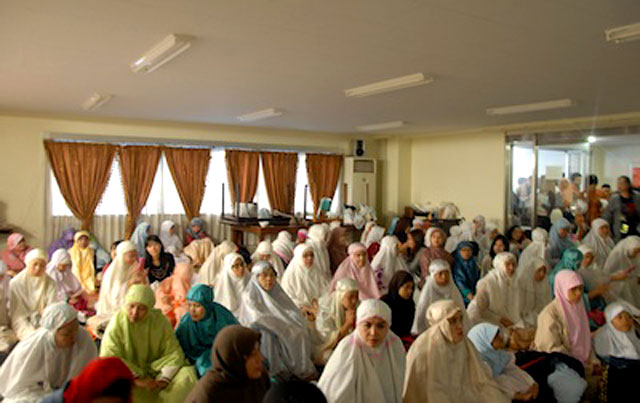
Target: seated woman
69,288
232,281
143,338
7,336
199,327
618,345
198,251
444,366
534,290
31,291
317,237
283,246
387,262
372,241
499,245
196,230
65,241
434,241
466,272
517,240
514,382
497,297
237,374
599,240
369,364
412,249
538,248
336,317
303,280
15,253
563,325
337,247
286,340
83,261
122,271
264,251
158,263
102,380
212,267
559,239
47,358
399,298
140,236
625,257
597,281
170,239
171,294
439,286
357,267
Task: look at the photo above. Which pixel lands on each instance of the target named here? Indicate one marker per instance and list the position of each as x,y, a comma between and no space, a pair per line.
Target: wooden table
238,230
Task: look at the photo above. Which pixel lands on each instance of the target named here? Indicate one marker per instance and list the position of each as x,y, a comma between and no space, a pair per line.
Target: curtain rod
122,140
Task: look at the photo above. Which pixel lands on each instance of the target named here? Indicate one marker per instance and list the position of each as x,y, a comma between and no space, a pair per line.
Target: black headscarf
294,391
402,310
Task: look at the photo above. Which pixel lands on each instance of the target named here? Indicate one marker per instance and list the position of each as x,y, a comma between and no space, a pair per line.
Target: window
164,197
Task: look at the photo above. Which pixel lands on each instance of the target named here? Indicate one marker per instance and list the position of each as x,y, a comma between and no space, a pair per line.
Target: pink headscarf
364,276
575,315
14,259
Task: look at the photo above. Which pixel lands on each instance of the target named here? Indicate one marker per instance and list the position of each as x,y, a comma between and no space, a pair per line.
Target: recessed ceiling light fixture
394,84
624,33
380,126
259,115
95,101
532,107
591,139
162,53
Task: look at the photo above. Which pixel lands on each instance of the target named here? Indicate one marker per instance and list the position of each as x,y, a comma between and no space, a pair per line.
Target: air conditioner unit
360,177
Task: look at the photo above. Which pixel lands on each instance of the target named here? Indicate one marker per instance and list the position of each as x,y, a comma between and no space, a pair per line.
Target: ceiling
301,56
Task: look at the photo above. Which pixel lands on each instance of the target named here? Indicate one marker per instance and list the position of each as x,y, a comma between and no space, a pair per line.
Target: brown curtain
138,165
242,173
280,179
323,172
189,167
82,171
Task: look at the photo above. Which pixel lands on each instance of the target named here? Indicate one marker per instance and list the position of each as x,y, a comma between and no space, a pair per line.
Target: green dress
150,350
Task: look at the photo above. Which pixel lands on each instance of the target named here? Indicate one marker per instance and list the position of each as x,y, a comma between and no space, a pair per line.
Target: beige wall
609,162
23,161
466,169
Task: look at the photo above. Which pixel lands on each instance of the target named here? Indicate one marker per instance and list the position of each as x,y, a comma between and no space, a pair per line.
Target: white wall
609,162
467,169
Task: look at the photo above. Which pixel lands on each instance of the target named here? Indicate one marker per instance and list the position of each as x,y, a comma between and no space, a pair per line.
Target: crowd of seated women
415,316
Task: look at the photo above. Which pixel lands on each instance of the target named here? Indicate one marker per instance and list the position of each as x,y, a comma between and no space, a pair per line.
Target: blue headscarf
482,335
196,338
558,245
139,237
466,272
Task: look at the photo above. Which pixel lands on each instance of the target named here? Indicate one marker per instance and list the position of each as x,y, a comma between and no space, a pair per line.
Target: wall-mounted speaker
359,151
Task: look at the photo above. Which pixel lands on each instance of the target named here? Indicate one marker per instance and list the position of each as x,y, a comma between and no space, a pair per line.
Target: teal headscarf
571,260
196,338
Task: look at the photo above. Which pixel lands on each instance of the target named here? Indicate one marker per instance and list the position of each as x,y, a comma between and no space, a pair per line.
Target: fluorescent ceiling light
165,51
624,33
412,80
591,139
380,126
259,115
95,101
532,107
